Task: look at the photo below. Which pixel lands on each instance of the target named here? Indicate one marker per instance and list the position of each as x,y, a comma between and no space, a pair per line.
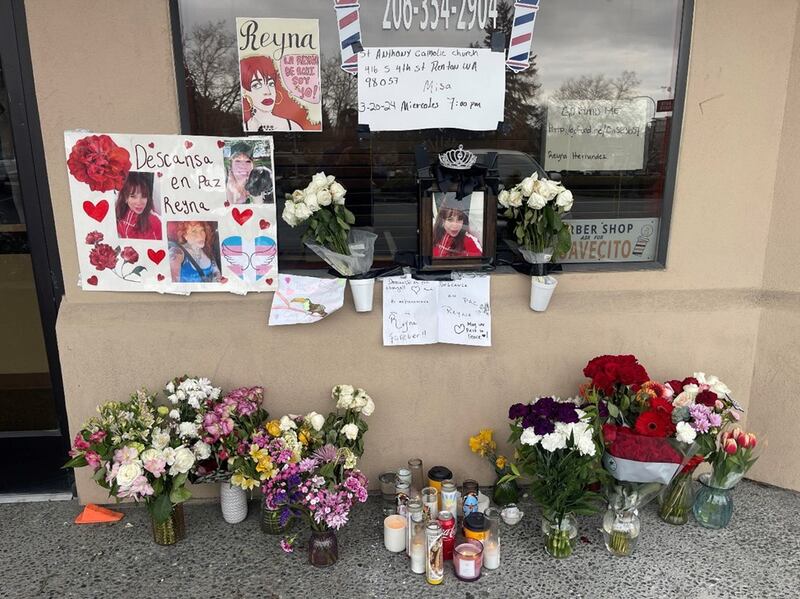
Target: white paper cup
541,292
362,293
394,533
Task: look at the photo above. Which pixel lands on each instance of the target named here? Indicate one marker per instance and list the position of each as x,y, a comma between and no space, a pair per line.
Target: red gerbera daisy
661,405
655,424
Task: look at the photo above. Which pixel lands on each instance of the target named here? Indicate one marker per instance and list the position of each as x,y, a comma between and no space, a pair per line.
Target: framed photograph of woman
456,232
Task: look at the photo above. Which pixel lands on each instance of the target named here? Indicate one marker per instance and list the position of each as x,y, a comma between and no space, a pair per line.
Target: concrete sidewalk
43,554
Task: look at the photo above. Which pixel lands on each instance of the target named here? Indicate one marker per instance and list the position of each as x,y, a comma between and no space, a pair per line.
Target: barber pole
519,47
347,19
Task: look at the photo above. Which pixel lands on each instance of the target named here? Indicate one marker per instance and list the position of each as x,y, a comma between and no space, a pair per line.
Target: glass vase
172,530
621,531
677,498
323,548
560,536
713,506
271,521
506,492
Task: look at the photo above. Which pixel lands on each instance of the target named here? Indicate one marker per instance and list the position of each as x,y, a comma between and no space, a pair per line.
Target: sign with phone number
430,14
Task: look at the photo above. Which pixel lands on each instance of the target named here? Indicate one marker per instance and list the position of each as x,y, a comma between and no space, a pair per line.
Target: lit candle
394,533
418,558
491,555
467,560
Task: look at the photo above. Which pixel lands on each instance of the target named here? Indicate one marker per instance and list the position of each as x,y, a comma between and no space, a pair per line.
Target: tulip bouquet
736,454
484,445
136,452
559,449
535,208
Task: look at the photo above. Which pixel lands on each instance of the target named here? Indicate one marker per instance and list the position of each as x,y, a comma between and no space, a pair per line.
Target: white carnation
529,437
174,414
554,441
350,431
170,387
317,421
369,408
684,433
201,450
287,424
187,430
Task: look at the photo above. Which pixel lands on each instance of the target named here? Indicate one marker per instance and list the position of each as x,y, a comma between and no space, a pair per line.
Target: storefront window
608,67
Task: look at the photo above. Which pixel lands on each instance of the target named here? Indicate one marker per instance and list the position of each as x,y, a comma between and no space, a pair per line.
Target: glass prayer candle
414,514
468,559
491,546
430,503
402,497
388,492
449,499
417,478
394,533
418,545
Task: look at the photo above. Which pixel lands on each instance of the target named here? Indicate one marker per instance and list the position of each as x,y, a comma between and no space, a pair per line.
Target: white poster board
595,135
613,240
403,89
305,300
426,312
173,213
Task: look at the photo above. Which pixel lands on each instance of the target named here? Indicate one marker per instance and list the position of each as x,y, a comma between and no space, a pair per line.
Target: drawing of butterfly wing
238,260
264,255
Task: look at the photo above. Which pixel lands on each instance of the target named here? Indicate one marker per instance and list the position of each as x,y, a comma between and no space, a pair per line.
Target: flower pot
362,293
560,537
233,501
713,506
271,521
323,548
172,530
541,291
676,500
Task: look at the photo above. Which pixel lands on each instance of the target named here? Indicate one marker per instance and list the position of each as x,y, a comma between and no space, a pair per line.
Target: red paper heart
160,277
160,174
263,224
269,281
220,143
156,255
96,211
188,144
223,280
243,216
151,145
92,280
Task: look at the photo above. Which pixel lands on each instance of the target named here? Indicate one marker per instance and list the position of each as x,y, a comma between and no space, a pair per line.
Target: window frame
676,124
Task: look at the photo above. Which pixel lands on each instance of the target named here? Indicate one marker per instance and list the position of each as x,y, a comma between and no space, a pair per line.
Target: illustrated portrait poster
279,73
173,213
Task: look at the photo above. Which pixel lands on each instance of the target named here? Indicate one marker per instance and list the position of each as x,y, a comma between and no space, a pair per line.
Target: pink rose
79,443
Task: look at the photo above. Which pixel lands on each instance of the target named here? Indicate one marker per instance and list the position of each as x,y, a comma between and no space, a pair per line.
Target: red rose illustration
103,256
129,254
94,237
99,162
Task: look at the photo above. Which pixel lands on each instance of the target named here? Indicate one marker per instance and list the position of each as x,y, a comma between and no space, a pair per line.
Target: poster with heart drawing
173,213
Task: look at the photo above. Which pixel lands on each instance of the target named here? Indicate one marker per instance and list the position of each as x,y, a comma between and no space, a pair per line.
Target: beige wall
777,366
701,313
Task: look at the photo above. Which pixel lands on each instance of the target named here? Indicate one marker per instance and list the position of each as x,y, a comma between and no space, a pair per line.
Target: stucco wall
108,67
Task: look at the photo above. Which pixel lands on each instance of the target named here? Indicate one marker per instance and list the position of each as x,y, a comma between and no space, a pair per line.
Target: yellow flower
483,443
244,482
274,428
500,462
303,437
266,467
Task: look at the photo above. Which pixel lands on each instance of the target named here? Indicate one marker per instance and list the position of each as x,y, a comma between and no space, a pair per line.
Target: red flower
707,398
692,464
661,405
99,162
655,424
608,371
94,237
129,254
103,256
609,433
676,386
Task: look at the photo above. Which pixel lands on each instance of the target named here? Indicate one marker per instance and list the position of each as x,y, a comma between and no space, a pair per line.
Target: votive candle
468,560
491,555
394,533
418,557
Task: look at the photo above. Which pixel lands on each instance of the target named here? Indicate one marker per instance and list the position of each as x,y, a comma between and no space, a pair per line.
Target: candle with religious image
430,503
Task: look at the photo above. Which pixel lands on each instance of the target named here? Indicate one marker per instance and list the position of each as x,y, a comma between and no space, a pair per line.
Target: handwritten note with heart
425,312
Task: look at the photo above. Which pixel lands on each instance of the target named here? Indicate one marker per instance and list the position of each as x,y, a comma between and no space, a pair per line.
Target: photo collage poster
173,213
279,72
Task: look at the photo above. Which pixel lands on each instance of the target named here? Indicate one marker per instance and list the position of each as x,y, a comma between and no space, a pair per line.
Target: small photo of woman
457,226
193,251
248,168
266,104
135,209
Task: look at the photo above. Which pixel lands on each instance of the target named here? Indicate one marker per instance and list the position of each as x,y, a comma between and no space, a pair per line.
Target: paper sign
596,135
403,89
279,71
173,213
613,240
304,300
426,312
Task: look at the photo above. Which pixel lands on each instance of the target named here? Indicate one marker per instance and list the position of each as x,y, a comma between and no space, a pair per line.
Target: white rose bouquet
321,204
345,427
137,453
535,208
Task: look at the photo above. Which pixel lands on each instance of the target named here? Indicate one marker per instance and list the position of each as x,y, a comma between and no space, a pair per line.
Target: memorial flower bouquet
535,208
485,446
559,449
321,206
135,452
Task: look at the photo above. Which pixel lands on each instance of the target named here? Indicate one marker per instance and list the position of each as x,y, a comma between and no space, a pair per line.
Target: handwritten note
426,312
402,89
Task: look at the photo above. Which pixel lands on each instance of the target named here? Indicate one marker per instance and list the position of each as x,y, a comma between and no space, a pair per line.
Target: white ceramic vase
233,501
